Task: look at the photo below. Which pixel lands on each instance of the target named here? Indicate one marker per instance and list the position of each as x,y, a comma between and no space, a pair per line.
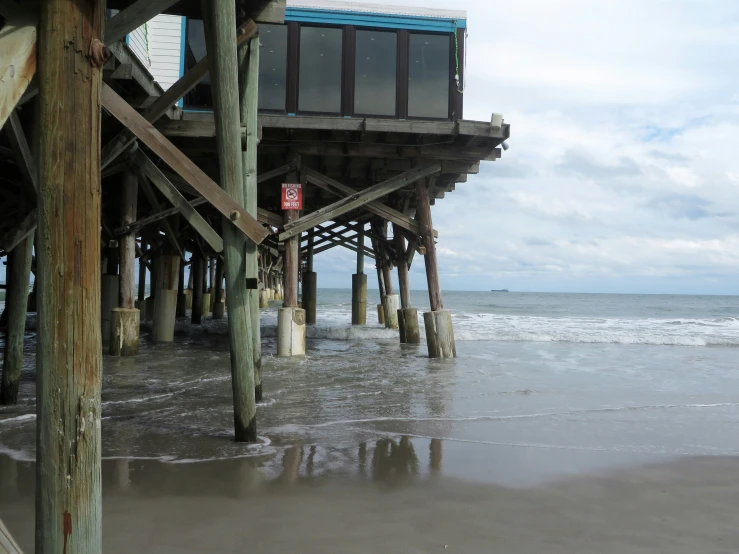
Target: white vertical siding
165,48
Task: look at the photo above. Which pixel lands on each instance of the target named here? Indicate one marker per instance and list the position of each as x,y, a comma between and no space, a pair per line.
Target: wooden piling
248,54
219,18
18,274
292,255
197,267
69,360
423,215
129,195
438,322
142,280
403,278
125,319
217,298
165,301
212,283
310,286
181,310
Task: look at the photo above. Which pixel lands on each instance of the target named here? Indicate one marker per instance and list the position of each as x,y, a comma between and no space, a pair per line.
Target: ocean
545,386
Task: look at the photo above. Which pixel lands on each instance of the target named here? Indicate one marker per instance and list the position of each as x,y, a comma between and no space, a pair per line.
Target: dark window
320,70
272,66
428,76
375,73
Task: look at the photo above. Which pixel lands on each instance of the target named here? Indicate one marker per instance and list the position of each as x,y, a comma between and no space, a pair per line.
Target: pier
288,129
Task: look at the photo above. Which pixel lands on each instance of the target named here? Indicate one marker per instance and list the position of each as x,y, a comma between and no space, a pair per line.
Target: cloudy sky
623,170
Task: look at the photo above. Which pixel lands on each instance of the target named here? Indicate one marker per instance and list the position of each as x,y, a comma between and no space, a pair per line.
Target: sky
622,172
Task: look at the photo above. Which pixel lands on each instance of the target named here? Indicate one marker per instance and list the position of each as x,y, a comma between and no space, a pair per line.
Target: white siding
165,48
137,43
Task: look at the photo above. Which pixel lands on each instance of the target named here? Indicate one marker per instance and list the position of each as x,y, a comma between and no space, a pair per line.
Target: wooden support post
217,293
124,320
423,215
196,269
69,354
292,255
407,315
212,283
16,300
142,280
310,286
248,110
181,296
438,322
165,302
360,250
128,242
219,18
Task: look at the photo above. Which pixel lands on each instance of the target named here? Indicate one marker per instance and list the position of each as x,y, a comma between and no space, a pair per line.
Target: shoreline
684,506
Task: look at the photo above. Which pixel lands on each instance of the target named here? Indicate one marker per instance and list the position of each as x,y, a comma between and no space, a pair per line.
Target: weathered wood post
218,305
291,330
181,296
141,300
212,284
359,285
407,315
165,299
188,290
197,270
153,268
390,302
69,354
219,17
248,55
18,275
380,283
110,290
208,279
438,322
124,325
310,286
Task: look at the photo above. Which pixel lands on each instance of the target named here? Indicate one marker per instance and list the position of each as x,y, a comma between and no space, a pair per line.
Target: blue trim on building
364,19
183,44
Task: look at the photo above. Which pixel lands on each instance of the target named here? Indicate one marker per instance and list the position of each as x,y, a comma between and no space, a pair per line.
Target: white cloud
622,173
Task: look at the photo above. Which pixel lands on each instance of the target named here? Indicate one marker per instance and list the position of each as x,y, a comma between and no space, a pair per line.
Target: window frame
398,75
287,72
296,69
452,85
348,73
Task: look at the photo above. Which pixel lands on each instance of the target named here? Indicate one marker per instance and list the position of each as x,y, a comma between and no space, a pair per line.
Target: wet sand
689,506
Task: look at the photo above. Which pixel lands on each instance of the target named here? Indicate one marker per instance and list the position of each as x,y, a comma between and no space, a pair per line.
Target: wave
333,324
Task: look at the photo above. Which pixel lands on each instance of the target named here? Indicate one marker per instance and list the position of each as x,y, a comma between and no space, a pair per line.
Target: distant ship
500,290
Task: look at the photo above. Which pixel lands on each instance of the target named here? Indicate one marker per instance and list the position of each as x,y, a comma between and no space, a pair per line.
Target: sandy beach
229,506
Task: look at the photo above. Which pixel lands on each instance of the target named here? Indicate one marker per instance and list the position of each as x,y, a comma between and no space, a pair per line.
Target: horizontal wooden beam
271,219
359,199
182,165
369,150
171,193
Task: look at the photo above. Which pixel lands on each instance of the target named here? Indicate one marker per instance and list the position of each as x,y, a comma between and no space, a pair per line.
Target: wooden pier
109,182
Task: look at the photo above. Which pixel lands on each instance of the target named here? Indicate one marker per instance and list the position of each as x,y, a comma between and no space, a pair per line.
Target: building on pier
240,138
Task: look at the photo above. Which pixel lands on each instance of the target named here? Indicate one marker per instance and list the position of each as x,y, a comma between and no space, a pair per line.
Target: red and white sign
292,196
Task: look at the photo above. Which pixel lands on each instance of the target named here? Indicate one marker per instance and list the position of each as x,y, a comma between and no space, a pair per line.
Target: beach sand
688,506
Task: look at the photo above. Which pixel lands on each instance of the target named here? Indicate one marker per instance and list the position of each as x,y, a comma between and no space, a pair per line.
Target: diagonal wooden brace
357,200
183,166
